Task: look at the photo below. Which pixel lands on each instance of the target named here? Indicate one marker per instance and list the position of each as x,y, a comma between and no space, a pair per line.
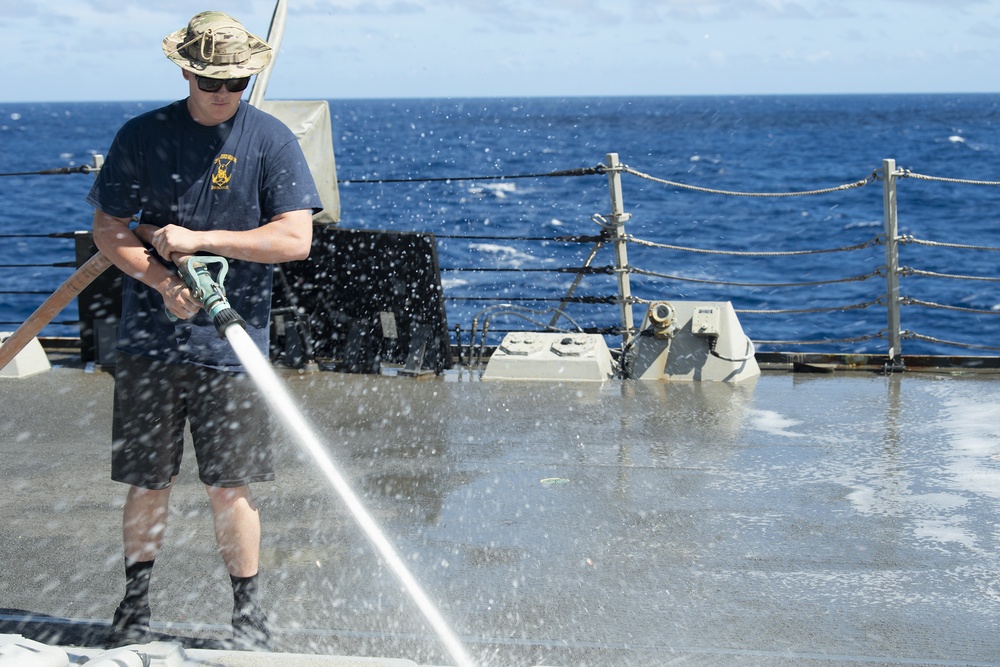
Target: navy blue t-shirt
234,176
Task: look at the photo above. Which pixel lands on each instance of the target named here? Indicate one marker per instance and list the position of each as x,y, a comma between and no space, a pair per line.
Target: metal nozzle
210,291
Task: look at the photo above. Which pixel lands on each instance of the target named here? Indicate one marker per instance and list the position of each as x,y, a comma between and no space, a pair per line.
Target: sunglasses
213,85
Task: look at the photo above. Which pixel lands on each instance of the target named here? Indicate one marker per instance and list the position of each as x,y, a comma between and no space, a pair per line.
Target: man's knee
228,498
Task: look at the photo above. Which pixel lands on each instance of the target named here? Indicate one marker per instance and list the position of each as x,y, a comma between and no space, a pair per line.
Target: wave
498,190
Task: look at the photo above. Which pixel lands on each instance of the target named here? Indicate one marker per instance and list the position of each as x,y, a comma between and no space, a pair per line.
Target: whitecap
508,254
493,248
863,224
956,139
498,190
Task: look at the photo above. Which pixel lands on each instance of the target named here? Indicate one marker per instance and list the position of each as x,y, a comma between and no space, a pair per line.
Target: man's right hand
178,298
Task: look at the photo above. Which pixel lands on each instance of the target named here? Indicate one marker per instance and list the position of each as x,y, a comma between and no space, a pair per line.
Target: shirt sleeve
116,187
288,183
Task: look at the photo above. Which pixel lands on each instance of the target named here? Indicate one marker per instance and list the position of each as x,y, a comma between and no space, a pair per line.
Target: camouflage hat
217,46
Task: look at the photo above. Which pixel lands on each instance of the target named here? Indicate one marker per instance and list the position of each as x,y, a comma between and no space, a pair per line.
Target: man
212,175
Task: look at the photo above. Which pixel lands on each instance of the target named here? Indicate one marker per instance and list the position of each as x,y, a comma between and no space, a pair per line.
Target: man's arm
122,246
286,237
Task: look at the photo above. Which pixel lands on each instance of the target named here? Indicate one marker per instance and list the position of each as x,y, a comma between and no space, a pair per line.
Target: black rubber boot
250,631
130,626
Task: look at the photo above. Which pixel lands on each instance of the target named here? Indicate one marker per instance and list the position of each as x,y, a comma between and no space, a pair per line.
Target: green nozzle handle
209,291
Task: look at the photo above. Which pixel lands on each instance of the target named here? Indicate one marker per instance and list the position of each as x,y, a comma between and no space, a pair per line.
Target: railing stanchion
890,212
617,219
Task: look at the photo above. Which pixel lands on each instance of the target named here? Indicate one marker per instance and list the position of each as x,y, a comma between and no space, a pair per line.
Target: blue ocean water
767,144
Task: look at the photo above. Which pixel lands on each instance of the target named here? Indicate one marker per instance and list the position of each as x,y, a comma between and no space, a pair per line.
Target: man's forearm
285,238
125,249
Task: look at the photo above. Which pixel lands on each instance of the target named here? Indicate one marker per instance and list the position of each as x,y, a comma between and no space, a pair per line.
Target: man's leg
237,528
144,521
237,531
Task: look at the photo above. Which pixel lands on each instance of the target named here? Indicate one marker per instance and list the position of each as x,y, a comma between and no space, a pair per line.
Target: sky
81,50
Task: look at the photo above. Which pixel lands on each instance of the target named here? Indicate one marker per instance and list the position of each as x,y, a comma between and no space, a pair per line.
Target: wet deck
793,520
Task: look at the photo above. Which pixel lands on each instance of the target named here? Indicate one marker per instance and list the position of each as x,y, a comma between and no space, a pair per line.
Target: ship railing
892,271
625,282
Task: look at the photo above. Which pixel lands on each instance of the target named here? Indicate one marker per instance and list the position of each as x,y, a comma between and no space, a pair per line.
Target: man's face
210,108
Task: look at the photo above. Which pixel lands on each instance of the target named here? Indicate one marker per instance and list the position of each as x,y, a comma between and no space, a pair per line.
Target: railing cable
906,173
732,193
939,244
910,301
909,271
931,339
557,239
583,171
82,169
826,341
866,276
828,309
784,311
746,253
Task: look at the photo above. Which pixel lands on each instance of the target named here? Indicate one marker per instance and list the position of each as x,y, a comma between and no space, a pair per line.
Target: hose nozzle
209,291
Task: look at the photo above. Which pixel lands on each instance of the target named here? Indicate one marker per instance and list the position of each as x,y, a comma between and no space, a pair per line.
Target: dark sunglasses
213,85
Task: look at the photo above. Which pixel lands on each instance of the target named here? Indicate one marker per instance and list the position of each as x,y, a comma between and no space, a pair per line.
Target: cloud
985,29
358,7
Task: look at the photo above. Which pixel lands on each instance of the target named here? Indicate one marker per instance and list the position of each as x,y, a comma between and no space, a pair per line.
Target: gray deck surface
793,520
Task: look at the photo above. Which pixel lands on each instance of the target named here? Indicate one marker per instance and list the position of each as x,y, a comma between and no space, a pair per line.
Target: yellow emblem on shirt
222,173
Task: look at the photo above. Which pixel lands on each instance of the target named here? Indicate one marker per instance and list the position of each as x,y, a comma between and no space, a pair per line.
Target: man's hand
178,298
173,241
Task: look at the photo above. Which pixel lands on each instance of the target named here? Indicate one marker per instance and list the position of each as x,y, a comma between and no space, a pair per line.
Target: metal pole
617,219
889,175
576,283
274,35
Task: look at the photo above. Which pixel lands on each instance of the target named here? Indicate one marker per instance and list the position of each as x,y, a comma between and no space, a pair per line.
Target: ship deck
794,519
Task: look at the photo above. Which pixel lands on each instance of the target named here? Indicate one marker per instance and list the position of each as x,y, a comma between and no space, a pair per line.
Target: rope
558,239
910,301
741,253
74,323
923,177
931,339
588,270
752,311
531,299
856,339
831,309
82,169
35,236
583,171
938,244
732,193
907,271
860,278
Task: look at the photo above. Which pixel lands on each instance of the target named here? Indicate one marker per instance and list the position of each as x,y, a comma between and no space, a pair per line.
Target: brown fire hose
52,306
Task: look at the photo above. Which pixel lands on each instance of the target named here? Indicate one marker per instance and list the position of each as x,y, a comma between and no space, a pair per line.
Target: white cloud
406,48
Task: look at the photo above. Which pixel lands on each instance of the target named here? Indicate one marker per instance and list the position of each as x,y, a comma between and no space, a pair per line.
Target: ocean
403,166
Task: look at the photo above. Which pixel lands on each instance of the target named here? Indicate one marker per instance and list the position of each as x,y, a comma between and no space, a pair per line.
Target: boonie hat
217,46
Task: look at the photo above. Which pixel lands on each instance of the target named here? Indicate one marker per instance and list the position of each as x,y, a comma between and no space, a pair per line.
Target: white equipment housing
309,121
694,341
29,361
550,356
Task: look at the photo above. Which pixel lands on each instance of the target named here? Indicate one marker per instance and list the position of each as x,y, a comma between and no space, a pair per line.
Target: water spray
212,295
